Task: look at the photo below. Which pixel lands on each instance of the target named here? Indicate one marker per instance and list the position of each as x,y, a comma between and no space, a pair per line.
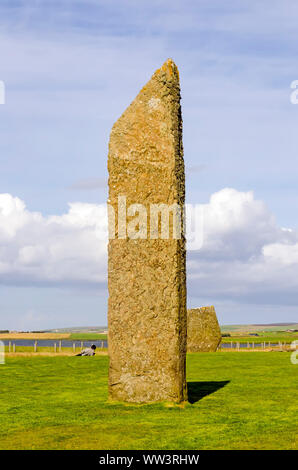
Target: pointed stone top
169,68
163,84
150,129
167,75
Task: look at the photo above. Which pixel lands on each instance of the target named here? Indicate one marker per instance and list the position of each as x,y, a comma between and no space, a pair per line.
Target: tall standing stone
203,330
147,277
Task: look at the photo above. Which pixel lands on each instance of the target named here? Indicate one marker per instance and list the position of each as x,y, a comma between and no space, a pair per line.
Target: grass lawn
237,401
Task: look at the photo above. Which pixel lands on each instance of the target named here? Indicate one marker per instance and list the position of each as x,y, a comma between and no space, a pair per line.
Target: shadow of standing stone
199,390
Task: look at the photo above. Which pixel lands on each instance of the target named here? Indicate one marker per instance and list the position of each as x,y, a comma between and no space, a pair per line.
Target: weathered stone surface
203,331
147,278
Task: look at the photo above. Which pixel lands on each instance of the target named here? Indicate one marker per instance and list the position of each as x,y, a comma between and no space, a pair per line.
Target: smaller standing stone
203,331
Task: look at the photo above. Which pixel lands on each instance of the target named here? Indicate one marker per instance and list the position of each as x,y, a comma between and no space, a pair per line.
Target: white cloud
236,226
64,249
281,254
245,255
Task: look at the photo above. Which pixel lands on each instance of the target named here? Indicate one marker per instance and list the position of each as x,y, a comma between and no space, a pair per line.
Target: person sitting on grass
88,351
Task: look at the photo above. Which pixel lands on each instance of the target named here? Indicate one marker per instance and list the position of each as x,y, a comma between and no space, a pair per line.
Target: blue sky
71,68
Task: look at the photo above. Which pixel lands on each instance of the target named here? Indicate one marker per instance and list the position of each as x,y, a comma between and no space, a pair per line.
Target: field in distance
275,332
236,401
240,333
259,328
55,336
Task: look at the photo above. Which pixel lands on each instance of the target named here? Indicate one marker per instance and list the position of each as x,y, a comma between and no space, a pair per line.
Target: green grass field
263,336
237,401
269,328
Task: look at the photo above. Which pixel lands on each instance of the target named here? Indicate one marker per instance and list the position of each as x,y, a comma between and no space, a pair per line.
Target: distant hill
266,327
79,329
259,327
